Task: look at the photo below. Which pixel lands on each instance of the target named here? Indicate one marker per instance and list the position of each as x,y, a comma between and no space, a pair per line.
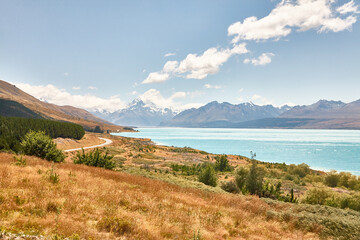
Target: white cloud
196,66
259,100
212,86
76,88
169,54
92,88
153,96
240,90
156,77
66,74
133,93
349,7
199,67
52,94
302,15
263,59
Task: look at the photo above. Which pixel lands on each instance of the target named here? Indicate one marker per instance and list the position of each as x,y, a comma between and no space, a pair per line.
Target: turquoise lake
321,149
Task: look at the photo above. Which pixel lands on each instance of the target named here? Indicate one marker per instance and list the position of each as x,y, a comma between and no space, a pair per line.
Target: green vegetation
41,145
13,129
95,158
222,164
208,176
10,108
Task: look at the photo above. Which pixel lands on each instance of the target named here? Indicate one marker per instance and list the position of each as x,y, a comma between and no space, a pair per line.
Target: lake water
321,149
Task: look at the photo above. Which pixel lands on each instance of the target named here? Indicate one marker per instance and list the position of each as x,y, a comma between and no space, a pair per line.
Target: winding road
107,142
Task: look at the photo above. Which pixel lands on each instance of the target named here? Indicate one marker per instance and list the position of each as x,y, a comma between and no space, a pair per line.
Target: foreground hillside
88,202
147,198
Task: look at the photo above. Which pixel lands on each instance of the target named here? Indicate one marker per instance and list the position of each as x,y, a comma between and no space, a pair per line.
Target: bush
95,158
301,170
41,145
254,180
240,177
222,163
230,187
317,196
208,176
117,226
332,179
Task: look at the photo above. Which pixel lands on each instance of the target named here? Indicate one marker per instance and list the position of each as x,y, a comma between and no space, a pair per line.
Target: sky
102,54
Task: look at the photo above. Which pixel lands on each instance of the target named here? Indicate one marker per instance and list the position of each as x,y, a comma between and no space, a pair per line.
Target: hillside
52,111
10,108
152,195
215,114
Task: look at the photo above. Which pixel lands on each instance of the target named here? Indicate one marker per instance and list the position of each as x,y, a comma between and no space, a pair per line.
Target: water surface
321,149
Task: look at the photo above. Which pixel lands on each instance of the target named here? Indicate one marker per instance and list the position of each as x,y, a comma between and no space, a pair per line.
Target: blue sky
103,54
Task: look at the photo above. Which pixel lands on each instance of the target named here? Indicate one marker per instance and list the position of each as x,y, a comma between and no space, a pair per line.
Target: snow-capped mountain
215,114
138,114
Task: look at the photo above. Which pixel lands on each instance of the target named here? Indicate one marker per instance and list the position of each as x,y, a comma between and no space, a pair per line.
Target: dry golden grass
101,204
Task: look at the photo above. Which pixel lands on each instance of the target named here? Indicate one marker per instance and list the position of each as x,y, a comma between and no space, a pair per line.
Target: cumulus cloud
153,96
52,94
302,15
208,86
92,88
156,77
196,66
263,59
169,54
76,88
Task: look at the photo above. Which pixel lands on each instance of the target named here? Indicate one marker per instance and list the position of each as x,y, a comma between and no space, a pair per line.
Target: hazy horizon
102,55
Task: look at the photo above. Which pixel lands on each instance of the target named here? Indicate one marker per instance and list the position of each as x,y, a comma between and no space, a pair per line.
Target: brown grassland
91,202
81,202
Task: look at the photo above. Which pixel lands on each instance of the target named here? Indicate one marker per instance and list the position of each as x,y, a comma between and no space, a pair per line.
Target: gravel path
107,142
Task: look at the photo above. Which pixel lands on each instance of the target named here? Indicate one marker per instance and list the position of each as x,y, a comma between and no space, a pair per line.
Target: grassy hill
149,196
52,111
10,108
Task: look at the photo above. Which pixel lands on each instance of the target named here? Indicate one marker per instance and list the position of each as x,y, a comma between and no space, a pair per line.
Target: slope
52,111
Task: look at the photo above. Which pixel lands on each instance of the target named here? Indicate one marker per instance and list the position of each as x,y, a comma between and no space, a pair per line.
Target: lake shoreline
333,140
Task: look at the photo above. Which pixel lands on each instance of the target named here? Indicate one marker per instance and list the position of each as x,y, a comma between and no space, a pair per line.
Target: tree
240,177
41,145
208,176
254,180
222,163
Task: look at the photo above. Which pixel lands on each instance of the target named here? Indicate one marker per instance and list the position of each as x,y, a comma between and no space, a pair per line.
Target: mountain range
215,114
139,114
323,114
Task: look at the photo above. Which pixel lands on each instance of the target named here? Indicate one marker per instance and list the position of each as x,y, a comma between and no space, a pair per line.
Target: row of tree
13,129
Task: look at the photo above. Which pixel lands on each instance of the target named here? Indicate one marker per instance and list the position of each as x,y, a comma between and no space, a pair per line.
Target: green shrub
95,158
254,180
300,170
208,176
230,187
222,163
332,179
41,145
53,176
20,161
317,196
114,225
240,177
